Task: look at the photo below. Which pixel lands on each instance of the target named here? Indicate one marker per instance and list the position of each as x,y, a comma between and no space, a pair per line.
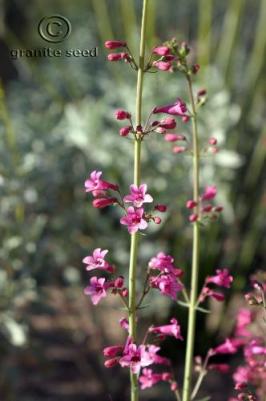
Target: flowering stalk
137,178
195,252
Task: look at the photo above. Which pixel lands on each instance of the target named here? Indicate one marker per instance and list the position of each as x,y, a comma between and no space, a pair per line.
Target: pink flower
242,375
122,115
138,195
228,347
113,350
162,65
114,44
100,203
118,56
191,204
96,261
222,278
207,292
161,50
134,220
148,378
172,329
209,192
124,323
178,108
244,319
135,357
167,284
96,289
96,185
212,141
124,131
162,262
193,217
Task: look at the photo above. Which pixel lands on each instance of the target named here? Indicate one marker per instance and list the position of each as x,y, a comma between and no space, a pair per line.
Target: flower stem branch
137,178
195,254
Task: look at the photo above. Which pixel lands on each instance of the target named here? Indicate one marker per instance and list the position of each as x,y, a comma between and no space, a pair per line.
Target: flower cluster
167,281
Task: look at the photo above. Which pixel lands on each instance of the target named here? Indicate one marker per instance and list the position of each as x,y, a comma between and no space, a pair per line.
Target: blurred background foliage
56,125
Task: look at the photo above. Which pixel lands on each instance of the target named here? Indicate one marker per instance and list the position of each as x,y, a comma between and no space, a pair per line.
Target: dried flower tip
195,68
202,92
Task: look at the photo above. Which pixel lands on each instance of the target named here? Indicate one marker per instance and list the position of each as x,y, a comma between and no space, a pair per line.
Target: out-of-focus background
57,124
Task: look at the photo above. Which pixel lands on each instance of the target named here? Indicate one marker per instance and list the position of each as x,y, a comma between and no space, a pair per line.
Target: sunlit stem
195,255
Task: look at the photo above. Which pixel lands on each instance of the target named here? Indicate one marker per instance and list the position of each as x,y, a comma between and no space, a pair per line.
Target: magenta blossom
96,289
122,114
134,220
222,278
96,185
100,203
228,347
209,192
167,284
149,379
178,108
172,329
162,262
162,65
138,195
96,261
161,50
135,357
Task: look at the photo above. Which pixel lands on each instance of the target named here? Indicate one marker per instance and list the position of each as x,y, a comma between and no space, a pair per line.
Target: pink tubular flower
113,350
209,192
191,204
124,131
100,203
96,261
114,44
134,220
172,329
138,195
118,56
149,379
222,278
162,262
228,347
162,65
96,289
135,357
96,185
178,108
122,115
207,292
193,217
161,50
167,284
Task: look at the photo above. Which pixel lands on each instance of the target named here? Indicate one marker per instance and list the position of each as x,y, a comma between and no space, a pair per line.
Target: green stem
195,255
137,178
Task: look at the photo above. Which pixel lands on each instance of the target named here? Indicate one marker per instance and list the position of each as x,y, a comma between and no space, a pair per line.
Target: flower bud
179,149
161,50
100,203
212,141
124,131
119,282
122,114
161,208
113,350
118,56
157,220
193,217
114,44
191,204
111,362
162,65
124,292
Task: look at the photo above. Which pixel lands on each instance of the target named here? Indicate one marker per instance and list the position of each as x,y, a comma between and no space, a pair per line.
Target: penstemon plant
138,211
